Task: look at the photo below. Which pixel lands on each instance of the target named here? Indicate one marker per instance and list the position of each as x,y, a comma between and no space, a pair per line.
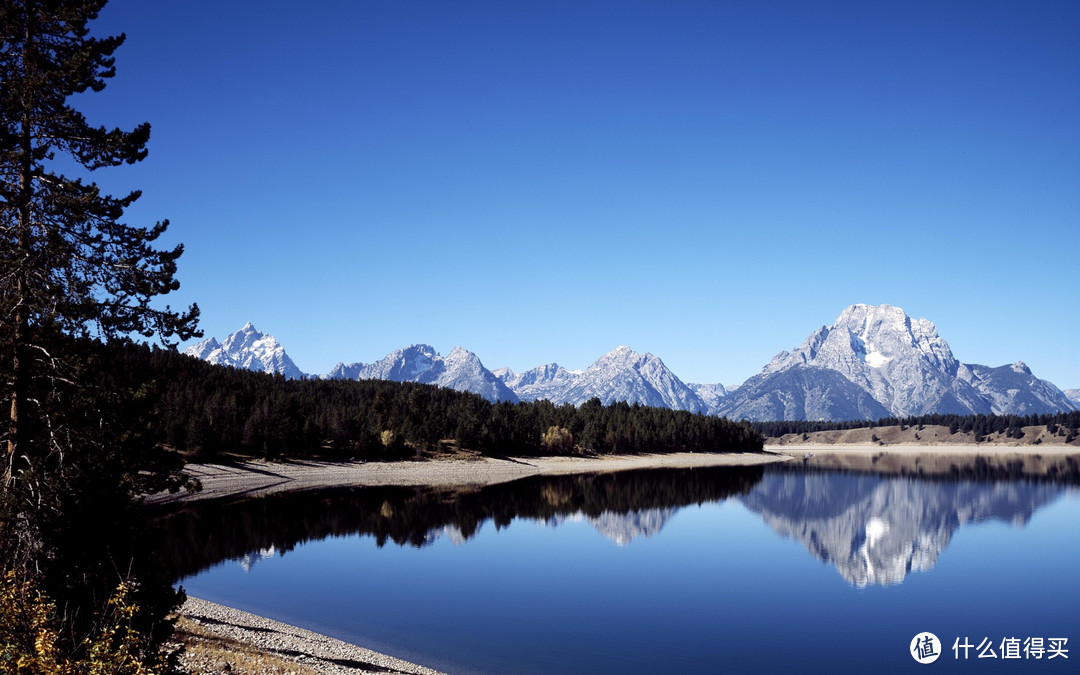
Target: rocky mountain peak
888,363
1021,368
460,369
247,349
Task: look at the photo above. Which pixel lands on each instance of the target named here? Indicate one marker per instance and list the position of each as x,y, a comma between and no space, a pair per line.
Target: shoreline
254,478
221,639
955,460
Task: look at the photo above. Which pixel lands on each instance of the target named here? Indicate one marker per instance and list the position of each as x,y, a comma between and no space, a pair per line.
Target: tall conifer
69,263
70,268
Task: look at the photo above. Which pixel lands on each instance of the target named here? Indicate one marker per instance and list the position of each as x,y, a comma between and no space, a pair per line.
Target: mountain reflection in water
874,529
622,506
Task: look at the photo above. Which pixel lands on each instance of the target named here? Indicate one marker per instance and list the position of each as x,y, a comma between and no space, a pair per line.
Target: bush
557,440
30,643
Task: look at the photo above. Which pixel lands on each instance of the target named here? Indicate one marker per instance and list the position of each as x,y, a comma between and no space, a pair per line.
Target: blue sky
544,181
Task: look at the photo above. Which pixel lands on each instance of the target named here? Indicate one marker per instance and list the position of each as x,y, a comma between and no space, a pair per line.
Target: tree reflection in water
873,529
623,505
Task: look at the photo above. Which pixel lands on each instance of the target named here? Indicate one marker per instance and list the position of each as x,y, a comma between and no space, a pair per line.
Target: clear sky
543,181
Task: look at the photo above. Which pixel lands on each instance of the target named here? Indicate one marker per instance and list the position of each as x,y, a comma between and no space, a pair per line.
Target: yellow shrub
557,439
29,638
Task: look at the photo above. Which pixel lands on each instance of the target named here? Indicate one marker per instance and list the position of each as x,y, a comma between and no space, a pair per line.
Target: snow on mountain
460,370
902,364
620,375
1074,396
247,349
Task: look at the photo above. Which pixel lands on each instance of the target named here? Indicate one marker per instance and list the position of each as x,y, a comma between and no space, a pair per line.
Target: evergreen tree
69,264
70,267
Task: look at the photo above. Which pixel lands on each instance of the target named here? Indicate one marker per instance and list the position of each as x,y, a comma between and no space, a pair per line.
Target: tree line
205,410
1066,424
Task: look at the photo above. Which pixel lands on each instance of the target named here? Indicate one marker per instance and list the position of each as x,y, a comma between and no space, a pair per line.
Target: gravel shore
254,478
220,639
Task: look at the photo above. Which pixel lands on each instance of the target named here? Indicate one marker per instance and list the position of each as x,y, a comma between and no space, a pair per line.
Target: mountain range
872,362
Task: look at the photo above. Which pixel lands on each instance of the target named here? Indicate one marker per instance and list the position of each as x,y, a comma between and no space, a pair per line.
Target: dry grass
207,653
929,435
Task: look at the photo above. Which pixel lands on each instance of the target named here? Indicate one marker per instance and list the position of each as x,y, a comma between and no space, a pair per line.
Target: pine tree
70,270
69,265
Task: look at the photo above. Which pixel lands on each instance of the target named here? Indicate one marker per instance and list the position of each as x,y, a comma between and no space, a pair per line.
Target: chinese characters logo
925,648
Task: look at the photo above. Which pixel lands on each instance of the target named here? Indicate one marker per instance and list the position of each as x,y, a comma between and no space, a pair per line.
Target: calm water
736,570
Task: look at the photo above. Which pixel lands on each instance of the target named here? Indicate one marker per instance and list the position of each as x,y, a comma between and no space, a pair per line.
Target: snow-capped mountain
620,375
899,363
1074,396
247,349
460,370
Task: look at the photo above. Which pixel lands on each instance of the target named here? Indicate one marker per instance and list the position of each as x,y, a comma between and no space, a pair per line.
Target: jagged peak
857,318
418,348
1021,367
460,354
620,353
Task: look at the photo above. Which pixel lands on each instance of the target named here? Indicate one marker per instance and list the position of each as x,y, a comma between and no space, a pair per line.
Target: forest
205,410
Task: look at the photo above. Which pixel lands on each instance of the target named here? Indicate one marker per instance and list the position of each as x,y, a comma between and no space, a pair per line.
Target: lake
729,569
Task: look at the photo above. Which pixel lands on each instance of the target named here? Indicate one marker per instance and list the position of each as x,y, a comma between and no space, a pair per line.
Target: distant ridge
620,375
872,362
460,370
